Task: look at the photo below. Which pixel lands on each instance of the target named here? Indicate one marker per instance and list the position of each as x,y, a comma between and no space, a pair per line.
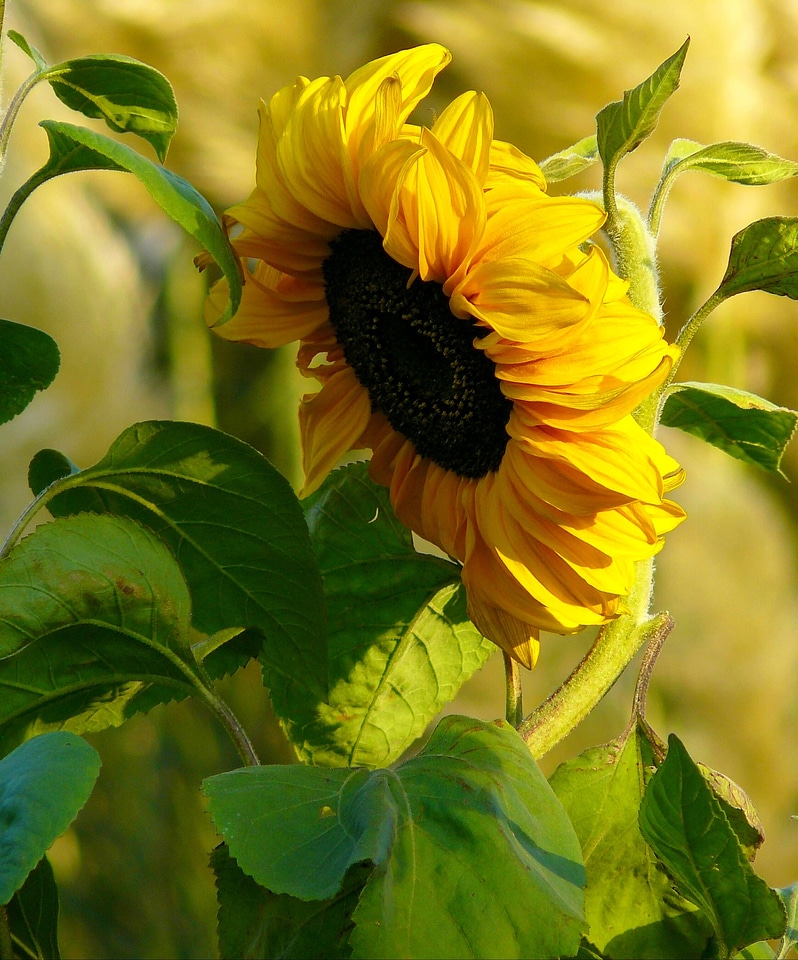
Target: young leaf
46,467
43,785
737,162
624,124
239,534
28,49
574,159
687,829
399,644
764,256
92,609
473,853
255,923
33,915
130,96
739,423
29,361
75,148
631,907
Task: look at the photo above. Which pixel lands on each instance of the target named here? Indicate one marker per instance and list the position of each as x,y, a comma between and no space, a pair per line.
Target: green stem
13,109
595,675
235,731
515,705
635,256
28,514
19,197
6,945
2,22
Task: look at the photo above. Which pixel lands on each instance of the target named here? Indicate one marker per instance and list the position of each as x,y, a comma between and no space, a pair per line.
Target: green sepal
789,897
29,361
741,424
692,837
470,847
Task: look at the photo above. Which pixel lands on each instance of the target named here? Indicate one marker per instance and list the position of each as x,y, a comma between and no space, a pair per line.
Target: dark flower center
415,358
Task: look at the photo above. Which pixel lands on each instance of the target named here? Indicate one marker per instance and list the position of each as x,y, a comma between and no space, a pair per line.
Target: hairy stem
515,704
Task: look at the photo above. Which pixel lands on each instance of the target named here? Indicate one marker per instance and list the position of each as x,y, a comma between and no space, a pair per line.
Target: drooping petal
331,423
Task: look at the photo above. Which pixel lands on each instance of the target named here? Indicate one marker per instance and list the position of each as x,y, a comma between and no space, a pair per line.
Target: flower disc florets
462,327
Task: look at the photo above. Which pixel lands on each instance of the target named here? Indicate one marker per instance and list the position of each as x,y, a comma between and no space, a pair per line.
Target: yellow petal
465,128
331,423
508,164
520,640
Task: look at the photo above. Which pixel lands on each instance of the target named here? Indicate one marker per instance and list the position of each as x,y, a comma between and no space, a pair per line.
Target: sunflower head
461,325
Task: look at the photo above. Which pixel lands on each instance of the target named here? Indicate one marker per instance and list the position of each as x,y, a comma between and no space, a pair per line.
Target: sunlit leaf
29,361
33,915
474,856
238,532
93,608
741,424
400,644
574,159
43,785
130,96
689,832
28,49
76,148
736,162
255,923
630,904
624,124
764,256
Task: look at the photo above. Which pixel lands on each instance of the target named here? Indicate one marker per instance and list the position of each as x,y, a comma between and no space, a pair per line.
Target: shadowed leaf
29,361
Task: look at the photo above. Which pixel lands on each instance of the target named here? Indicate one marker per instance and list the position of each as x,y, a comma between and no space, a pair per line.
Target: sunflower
461,326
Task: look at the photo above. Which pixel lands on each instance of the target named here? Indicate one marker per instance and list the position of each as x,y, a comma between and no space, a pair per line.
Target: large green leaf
736,162
630,904
623,125
43,785
686,827
474,856
400,644
29,361
93,608
739,423
33,915
764,256
130,96
255,923
76,148
237,531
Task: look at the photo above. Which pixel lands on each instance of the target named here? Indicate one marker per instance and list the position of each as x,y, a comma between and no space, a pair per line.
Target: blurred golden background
94,262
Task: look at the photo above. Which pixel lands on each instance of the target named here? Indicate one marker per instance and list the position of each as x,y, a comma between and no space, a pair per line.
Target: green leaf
28,49
764,256
473,853
624,124
238,532
75,148
255,923
789,897
761,950
631,907
92,609
739,423
43,785
33,915
399,645
574,159
130,96
737,162
46,467
29,361
686,827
